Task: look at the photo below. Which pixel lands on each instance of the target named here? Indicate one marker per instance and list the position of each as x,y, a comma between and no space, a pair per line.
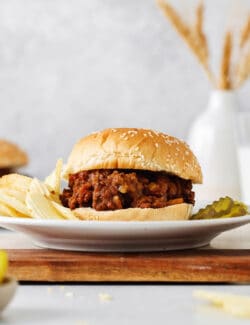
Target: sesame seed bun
174,212
11,156
132,148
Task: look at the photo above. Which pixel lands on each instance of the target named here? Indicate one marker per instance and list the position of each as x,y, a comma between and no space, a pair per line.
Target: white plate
120,235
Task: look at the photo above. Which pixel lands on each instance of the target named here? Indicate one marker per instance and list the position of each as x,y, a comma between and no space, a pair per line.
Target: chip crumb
105,297
69,294
235,305
49,290
81,322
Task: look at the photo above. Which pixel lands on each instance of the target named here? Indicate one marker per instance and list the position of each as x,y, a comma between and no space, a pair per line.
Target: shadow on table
28,316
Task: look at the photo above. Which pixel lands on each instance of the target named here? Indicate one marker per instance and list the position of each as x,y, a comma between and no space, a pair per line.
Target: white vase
212,138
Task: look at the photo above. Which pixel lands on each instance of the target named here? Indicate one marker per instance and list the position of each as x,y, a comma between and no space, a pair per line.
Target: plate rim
97,223
121,236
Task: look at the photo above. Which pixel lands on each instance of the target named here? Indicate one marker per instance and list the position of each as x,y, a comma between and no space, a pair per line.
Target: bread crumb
104,297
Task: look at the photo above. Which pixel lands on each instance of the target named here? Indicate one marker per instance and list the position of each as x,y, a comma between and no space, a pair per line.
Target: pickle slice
225,207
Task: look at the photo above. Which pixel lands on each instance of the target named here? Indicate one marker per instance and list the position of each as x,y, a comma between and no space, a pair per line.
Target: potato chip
54,179
65,212
40,207
233,304
38,204
38,187
13,189
19,195
9,212
41,187
14,203
15,181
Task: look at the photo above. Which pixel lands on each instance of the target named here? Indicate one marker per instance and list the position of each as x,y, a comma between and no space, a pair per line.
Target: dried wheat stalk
245,33
193,36
225,77
243,69
199,33
175,19
196,39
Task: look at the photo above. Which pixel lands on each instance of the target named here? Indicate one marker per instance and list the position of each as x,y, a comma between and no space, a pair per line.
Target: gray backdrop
69,67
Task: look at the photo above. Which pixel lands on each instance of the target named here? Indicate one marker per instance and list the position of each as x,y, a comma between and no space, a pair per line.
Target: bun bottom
180,211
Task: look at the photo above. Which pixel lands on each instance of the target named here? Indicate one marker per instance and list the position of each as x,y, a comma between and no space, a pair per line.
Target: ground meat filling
108,189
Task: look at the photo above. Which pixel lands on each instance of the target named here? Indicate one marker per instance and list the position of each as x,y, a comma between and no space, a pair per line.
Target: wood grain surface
183,266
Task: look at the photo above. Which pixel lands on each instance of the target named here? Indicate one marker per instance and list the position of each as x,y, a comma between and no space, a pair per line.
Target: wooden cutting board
181,266
217,263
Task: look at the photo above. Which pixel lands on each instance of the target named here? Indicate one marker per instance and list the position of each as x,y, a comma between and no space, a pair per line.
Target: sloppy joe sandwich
11,157
131,174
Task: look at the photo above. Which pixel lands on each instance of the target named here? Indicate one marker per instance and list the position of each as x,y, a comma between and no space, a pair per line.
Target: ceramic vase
213,139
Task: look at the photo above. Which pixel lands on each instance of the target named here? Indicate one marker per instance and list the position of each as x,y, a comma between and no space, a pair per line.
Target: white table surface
130,304
79,304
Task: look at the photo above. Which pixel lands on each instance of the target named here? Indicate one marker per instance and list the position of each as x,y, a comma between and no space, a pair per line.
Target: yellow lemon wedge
3,265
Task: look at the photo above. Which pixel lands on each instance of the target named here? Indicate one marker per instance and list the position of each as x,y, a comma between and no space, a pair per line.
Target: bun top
11,155
132,148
